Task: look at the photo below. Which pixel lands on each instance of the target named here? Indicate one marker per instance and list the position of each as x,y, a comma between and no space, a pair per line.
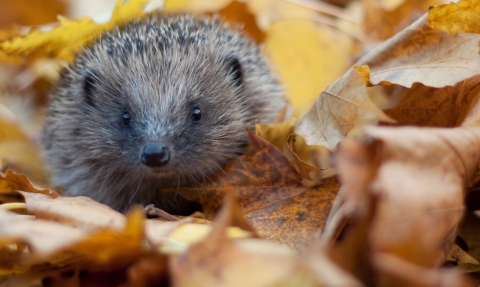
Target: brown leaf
108,249
326,270
419,175
157,231
303,167
10,182
393,271
42,238
425,55
29,13
381,22
437,107
304,158
337,110
236,13
418,54
467,238
459,256
358,249
76,211
219,261
270,193
60,245
150,271
88,214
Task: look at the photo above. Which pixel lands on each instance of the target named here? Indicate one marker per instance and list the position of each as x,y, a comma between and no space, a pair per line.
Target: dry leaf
383,20
425,55
17,147
419,175
276,134
270,193
303,167
437,107
195,6
108,249
237,15
76,211
68,38
26,12
151,271
307,57
42,238
467,239
10,182
219,261
403,189
337,109
327,270
395,271
459,256
417,54
463,16
305,158
62,246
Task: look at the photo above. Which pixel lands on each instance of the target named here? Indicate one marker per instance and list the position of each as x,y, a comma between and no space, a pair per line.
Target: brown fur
156,69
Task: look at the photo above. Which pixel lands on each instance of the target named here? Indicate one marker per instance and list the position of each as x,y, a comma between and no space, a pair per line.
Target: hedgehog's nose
155,154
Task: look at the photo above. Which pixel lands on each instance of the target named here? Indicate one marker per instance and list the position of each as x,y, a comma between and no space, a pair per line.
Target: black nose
155,154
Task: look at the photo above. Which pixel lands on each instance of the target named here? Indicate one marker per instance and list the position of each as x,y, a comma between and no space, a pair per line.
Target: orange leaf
270,193
10,182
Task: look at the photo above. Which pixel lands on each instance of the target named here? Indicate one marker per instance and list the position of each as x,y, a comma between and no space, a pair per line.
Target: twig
153,211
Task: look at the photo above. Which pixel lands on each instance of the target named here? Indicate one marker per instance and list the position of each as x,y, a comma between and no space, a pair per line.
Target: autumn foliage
369,178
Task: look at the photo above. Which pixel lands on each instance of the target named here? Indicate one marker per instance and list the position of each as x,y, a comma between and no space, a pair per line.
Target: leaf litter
392,216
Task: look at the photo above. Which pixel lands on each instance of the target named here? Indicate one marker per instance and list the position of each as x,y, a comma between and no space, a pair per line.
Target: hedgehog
158,102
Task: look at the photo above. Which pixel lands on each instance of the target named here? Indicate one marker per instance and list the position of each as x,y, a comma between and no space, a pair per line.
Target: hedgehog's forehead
168,78
148,38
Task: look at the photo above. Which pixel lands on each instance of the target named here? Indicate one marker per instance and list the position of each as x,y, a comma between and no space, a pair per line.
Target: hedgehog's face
173,119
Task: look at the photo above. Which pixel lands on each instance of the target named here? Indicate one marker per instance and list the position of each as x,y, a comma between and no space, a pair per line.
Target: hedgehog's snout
155,154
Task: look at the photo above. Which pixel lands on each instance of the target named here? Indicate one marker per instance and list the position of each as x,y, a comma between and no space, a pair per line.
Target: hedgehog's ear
235,70
89,86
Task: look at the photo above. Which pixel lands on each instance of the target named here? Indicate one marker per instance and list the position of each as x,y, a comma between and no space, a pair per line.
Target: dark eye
126,118
196,114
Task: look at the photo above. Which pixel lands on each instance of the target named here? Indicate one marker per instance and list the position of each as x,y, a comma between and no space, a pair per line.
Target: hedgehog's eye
196,114
126,118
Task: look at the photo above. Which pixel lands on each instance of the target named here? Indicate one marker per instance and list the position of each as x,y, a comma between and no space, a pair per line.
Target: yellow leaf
195,6
276,134
281,135
68,38
175,5
307,58
456,17
16,146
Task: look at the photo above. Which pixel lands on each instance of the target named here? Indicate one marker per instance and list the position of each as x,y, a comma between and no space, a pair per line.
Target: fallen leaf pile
371,176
